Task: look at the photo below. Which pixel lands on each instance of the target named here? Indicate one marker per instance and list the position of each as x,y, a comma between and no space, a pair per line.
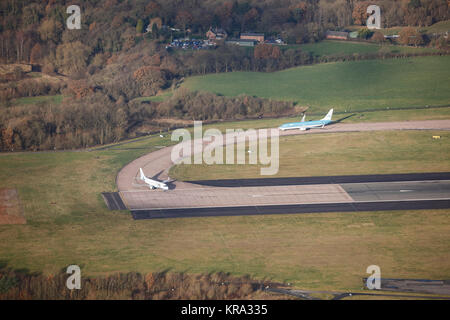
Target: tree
183,19
410,36
50,30
378,37
152,9
150,79
364,33
36,54
72,57
250,19
31,14
155,31
139,26
359,14
267,51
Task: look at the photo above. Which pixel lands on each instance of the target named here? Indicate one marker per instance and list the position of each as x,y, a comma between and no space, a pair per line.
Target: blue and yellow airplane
304,125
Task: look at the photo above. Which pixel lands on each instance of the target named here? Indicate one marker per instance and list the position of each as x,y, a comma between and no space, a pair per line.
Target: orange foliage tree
267,51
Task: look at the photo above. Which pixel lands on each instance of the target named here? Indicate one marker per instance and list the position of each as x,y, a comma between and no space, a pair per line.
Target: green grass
341,154
334,48
346,86
56,99
439,27
68,223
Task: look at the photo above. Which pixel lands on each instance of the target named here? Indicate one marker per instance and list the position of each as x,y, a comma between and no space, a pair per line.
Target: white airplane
153,184
304,125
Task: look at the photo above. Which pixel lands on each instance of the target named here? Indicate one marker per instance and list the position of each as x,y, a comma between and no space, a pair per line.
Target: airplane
153,184
305,125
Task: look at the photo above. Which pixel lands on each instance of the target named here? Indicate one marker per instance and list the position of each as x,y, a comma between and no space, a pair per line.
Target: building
336,35
216,34
242,42
253,36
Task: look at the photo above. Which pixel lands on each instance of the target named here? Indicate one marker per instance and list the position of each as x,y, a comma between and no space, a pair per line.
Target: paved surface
261,182
159,162
283,195
290,209
319,194
391,191
415,285
113,201
226,197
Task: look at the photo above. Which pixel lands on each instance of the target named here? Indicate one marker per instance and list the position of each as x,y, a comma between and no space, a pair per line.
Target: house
216,34
242,42
336,35
253,36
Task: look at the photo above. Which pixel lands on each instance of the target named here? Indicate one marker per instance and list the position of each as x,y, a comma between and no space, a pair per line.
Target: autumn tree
359,14
250,19
410,36
150,79
72,57
267,51
80,88
31,14
35,55
50,30
152,9
183,19
378,37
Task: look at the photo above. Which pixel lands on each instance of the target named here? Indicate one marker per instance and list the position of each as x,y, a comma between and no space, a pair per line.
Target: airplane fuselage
153,184
304,125
156,184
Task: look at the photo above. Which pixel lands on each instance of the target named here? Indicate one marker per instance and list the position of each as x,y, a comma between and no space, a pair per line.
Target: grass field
439,27
68,223
56,99
334,48
346,86
341,154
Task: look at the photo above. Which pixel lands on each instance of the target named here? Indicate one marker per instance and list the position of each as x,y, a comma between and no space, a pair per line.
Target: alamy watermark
374,280
74,20
74,280
208,147
374,21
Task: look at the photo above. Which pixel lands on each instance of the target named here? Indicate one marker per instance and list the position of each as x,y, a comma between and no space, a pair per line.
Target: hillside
350,86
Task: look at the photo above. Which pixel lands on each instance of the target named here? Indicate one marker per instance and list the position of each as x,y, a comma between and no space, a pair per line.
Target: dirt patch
10,209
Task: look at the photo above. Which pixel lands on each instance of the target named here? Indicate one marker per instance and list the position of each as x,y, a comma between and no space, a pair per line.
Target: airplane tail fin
142,174
329,115
304,118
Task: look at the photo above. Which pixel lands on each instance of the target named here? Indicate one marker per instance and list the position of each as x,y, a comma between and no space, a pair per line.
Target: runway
291,209
261,182
283,195
346,197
